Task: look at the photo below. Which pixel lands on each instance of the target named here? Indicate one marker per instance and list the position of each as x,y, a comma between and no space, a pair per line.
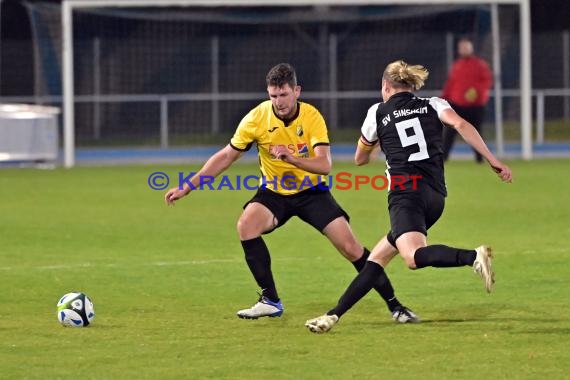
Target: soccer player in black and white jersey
408,129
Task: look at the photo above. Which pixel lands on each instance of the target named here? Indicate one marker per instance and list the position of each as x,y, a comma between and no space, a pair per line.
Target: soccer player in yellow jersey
294,152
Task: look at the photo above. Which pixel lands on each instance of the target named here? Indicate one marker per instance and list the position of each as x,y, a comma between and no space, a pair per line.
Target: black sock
442,256
259,262
381,285
359,287
361,262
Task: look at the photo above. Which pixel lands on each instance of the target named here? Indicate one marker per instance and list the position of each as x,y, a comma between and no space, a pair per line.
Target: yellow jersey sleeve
319,134
245,134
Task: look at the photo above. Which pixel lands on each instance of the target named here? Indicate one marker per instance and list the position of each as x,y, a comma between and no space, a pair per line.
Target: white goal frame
68,6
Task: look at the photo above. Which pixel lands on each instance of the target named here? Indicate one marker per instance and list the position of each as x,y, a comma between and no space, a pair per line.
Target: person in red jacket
467,91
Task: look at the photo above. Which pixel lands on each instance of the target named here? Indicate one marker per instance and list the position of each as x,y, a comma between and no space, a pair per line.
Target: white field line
209,261
155,263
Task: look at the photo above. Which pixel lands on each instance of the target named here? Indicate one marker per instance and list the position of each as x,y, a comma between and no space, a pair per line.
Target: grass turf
166,282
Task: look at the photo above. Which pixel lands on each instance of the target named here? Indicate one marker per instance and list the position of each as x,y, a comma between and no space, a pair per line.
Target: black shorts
314,206
414,211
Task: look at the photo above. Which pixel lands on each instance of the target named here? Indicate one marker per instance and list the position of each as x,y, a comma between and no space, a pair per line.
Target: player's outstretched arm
320,164
215,165
363,152
473,138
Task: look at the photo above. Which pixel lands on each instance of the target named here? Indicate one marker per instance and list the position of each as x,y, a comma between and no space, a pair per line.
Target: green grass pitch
166,282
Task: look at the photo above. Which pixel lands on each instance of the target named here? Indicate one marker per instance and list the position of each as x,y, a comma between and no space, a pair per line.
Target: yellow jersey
300,135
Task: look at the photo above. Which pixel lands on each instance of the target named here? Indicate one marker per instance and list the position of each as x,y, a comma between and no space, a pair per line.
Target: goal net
166,75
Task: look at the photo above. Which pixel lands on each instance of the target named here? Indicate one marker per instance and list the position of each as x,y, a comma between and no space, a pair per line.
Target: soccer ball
75,309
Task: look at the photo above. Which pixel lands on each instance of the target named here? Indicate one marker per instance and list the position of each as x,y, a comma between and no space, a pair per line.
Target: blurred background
168,77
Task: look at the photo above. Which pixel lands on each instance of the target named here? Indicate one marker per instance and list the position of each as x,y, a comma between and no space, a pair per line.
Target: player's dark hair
280,75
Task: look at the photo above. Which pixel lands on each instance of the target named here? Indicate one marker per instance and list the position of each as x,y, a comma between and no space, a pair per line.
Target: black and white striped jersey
410,134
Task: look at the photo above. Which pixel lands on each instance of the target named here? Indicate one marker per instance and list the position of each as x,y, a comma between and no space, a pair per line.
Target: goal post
70,6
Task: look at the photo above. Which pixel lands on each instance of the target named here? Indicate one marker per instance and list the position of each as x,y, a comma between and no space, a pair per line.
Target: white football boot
402,314
321,324
263,308
482,266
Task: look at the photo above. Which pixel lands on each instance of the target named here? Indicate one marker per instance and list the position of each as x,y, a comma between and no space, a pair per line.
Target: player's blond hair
402,75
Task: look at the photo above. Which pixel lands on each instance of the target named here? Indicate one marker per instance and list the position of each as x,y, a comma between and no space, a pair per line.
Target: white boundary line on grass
155,263
204,262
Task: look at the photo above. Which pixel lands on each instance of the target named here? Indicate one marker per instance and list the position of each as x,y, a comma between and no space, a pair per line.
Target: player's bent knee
246,229
410,262
351,250
249,227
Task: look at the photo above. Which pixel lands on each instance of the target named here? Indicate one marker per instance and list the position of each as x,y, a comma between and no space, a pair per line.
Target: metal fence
163,80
